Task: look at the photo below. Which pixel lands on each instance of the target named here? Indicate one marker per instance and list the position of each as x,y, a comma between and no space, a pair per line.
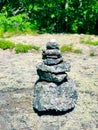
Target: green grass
6,44
69,48
36,48
78,51
66,48
95,43
89,42
19,48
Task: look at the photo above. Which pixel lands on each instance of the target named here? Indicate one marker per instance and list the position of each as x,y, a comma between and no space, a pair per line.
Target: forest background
49,16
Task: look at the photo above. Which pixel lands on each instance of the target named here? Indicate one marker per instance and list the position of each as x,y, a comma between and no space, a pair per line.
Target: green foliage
6,45
95,43
66,48
77,51
83,16
75,16
1,32
89,42
21,48
15,24
71,16
2,23
69,48
36,48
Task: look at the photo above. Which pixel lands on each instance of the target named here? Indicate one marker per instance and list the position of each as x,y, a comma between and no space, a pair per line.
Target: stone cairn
54,90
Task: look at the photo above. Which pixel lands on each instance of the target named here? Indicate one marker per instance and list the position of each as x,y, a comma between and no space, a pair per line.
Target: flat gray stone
60,68
52,52
52,57
52,45
57,78
50,96
50,61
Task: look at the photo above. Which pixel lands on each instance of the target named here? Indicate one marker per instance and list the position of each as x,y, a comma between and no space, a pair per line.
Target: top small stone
52,44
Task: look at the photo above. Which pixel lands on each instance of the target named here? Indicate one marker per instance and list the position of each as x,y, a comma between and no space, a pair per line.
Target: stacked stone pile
54,90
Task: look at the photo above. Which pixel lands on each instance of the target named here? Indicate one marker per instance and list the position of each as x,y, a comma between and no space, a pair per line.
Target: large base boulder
52,96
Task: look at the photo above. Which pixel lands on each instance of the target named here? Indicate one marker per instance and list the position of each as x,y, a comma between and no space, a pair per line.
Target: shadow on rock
52,112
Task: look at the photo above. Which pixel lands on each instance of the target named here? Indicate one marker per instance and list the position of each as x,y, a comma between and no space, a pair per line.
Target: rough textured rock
60,68
50,61
52,45
46,76
52,53
50,96
54,90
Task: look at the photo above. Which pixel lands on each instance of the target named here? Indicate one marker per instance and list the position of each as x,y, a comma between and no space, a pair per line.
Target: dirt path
17,78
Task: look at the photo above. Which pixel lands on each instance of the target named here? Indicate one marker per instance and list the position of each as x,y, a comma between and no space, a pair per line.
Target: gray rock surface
46,76
52,52
60,68
52,45
50,96
50,61
18,75
58,93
